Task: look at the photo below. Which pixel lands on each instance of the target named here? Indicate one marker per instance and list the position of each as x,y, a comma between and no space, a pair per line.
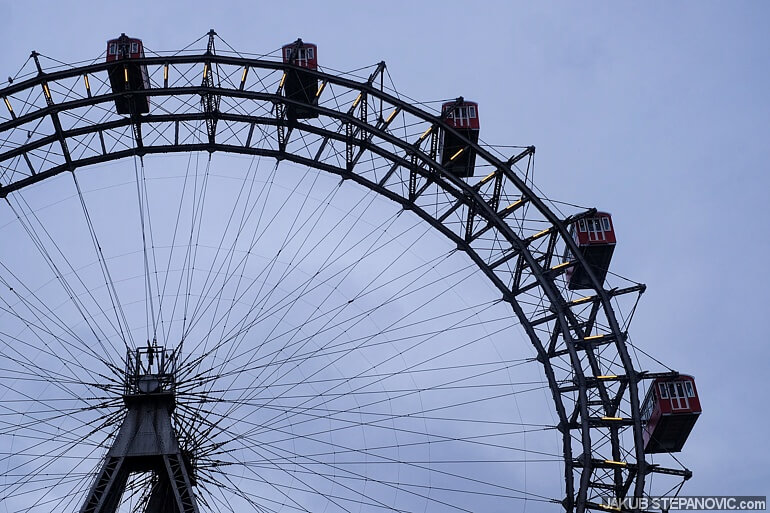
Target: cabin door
595,231
678,397
304,55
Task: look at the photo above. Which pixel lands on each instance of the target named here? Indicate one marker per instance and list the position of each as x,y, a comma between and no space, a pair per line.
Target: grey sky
657,112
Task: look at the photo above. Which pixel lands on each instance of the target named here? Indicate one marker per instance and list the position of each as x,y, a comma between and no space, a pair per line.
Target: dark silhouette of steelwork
574,338
146,441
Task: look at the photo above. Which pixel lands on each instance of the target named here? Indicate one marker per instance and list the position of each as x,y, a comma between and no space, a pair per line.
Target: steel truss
64,120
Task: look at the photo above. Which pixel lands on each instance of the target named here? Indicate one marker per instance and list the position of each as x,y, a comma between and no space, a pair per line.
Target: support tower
146,441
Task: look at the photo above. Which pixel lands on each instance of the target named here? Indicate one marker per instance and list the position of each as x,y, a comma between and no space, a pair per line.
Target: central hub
150,370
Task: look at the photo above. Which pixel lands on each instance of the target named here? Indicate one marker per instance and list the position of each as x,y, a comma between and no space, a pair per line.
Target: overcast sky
657,112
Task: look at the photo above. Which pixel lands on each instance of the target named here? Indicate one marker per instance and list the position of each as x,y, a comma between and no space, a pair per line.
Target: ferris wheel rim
465,194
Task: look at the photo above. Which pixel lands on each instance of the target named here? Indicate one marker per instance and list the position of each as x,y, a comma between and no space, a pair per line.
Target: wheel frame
475,200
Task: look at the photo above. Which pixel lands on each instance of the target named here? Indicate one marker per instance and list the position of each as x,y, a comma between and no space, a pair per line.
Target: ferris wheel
237,282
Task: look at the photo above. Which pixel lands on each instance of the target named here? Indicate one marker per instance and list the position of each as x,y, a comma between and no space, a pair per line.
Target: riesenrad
237,282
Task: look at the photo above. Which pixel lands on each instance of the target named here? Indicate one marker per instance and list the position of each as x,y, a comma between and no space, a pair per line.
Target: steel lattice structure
60,121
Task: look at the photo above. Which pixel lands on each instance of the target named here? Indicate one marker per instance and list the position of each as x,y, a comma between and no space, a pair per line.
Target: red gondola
297,85
128,76
456,156
595,238
669,412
